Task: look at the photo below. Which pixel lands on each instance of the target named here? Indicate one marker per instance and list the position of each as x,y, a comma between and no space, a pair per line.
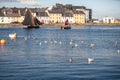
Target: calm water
43,54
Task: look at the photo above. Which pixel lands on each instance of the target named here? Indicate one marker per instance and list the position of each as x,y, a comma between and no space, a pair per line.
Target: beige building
55,17
14,17
79,17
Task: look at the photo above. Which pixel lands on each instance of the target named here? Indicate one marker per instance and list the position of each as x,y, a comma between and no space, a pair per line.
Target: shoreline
61,24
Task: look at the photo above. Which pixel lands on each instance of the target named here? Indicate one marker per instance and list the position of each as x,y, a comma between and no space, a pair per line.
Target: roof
13,15
1,14
67,14
43,14
55,12
78,12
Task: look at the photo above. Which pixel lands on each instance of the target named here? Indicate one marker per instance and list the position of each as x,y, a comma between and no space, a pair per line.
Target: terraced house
55,14
8,15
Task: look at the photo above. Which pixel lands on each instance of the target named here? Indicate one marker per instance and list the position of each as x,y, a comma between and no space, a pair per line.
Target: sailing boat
66,26
30,21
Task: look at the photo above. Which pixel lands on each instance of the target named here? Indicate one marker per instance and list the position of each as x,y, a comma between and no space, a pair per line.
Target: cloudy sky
100,8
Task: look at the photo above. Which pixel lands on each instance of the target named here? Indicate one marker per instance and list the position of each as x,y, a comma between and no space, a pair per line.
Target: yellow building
79,17
14,17
55,16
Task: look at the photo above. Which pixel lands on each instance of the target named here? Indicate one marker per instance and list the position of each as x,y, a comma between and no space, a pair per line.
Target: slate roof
13,15
78,12
67,14
55,11
43,14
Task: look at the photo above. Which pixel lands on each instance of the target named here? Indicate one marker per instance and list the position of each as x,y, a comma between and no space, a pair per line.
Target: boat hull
66,27
30,27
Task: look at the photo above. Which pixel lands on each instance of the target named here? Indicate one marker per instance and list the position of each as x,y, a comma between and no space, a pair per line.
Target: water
43,54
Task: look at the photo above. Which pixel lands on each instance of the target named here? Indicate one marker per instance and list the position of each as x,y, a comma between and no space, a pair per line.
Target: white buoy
90,60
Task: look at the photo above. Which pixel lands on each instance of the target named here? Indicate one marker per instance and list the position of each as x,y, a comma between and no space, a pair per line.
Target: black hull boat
30,27
30,21
66,27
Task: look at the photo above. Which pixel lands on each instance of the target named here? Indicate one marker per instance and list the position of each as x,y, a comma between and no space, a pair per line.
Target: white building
70,19
68,16
43,17
108,20
4,19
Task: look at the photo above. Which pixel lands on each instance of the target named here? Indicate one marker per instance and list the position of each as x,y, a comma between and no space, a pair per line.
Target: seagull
92,45
116,43
90,60
76,45
40,43
118,51
45,42
70,60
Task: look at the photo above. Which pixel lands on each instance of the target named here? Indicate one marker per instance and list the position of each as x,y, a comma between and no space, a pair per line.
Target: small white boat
13,36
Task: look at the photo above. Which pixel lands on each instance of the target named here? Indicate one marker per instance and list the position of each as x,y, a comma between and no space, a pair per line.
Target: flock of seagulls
90,60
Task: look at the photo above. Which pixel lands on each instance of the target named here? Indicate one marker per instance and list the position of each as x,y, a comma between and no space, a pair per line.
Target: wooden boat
66,26
30,21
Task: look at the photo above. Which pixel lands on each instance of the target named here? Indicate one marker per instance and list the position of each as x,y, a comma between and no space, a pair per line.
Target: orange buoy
2,41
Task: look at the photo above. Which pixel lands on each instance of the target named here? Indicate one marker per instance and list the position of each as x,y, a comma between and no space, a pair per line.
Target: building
68,15
43,17
3,18
9,15
108,20
55,16
117,21
79,17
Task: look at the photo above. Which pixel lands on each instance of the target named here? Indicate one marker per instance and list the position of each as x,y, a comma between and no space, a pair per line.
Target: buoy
2,41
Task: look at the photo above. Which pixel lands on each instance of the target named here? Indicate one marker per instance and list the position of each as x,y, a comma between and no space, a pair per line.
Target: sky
100,8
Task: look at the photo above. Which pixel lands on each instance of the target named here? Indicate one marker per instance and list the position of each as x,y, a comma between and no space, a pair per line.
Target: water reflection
2,48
